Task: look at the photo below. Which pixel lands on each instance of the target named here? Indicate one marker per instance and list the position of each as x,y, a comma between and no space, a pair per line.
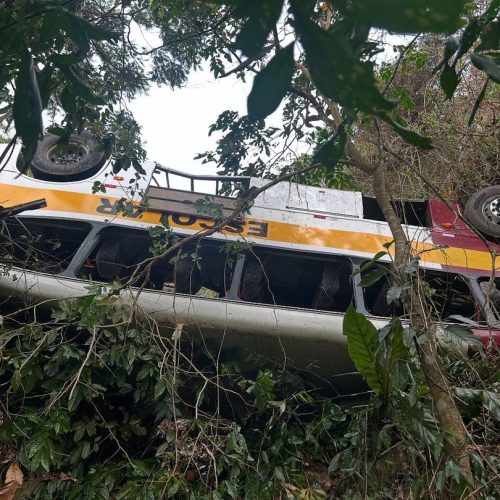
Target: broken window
448,294
491,291
201,269
375,297
45,245
297,280
412,212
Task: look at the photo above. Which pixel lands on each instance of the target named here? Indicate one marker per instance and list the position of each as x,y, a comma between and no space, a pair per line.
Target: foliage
82,61
464,158
101,403
376,354
94,410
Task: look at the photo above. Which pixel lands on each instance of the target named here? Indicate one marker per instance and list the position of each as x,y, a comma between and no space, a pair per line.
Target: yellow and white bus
282,294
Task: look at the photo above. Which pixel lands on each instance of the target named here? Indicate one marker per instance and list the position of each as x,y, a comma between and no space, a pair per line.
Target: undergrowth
99,403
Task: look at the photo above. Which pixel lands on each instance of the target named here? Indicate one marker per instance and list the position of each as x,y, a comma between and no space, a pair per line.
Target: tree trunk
457,443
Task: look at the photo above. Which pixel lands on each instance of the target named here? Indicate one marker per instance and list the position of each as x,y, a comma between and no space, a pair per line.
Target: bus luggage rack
220,190
227,186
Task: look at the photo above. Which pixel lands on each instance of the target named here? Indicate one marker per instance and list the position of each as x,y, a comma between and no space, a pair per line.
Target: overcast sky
175,122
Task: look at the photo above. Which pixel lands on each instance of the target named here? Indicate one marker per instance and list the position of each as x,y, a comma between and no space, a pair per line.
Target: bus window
491,291
448,295
123,255
375,297
44,245
297,280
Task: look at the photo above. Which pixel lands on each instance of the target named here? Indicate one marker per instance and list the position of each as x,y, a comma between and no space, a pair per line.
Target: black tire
80,161
483,211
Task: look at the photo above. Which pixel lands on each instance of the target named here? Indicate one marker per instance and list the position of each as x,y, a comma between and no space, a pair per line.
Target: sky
175,123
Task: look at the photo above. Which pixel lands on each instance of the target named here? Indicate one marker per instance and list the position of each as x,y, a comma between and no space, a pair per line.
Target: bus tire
81,160
483,211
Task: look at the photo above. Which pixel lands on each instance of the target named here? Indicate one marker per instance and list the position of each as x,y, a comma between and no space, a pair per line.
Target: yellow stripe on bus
87,204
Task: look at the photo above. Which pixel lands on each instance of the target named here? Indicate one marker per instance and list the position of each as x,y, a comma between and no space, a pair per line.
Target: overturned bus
276,280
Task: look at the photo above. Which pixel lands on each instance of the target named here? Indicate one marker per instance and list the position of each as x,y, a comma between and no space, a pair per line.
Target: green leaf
468,38
68,99
262,17
27,107
408,335
491,401
490,37
398,347
450,47
92,31
75,399
77,28
371,277
362,339
460,334
449,80
408,135
410,16
336,70
64,59
78,87
393,294
477,103
331,151
15,381
263,389
145,371
55,130
85,449
46,84
160,387
271,85
487,64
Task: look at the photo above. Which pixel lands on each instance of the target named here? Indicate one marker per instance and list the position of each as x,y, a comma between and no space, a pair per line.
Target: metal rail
236,182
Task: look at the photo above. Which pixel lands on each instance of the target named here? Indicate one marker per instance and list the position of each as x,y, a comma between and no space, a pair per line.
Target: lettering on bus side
254,227
126,209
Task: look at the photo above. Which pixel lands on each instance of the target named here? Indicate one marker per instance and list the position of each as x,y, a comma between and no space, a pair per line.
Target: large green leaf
468,38
79,88
46,84
490,400
362,339
271,85
490,65
57,20
334,68
390,351
490,37
398,348
332,150
373,274
460,334
410,136
261,19
449,80
27,108
68,99
407,16
478,102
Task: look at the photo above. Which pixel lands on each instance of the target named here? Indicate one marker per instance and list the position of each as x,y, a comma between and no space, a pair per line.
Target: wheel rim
491,209
70,156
